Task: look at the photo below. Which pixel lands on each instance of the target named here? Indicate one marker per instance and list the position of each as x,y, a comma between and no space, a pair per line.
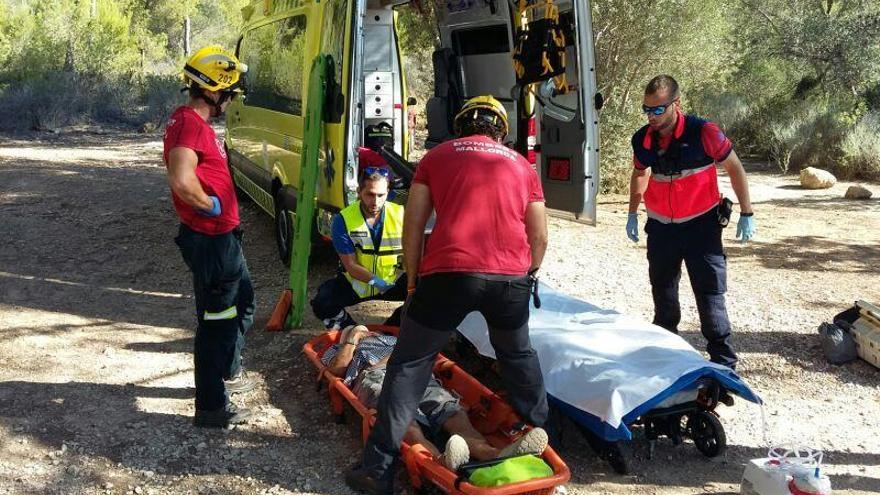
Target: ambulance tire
283,229
707,432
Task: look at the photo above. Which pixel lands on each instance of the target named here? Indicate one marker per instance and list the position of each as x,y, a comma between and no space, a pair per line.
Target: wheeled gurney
608,372
489,414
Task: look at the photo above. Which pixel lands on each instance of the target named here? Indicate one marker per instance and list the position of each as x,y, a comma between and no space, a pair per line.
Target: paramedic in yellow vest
367,237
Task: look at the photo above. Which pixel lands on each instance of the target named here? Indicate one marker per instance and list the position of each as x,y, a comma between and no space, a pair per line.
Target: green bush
615,152
158,96
43,103
861,149
61,98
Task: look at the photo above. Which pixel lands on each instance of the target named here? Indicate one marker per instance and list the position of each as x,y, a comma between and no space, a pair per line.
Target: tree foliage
789,80
796,82
99,58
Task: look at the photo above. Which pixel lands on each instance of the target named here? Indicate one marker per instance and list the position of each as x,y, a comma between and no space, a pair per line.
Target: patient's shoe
456,453
533,442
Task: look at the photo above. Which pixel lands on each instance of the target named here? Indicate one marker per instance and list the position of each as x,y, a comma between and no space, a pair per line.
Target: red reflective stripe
684,197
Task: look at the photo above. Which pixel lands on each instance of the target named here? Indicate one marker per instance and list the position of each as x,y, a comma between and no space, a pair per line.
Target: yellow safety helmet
485,107
214,69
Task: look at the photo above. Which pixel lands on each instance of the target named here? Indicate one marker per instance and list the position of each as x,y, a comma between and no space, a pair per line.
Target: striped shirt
369,351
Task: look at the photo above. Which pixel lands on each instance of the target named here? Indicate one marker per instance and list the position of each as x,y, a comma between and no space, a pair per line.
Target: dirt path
96,327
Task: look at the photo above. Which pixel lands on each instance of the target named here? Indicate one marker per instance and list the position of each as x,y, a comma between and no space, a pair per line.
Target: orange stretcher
488,412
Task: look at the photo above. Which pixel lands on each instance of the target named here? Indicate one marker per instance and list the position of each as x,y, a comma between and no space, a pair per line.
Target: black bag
837,343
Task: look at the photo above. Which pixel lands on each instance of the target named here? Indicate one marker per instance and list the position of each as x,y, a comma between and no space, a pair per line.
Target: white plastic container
786,471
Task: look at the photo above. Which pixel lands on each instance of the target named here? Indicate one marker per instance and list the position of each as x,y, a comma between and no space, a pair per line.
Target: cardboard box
866,333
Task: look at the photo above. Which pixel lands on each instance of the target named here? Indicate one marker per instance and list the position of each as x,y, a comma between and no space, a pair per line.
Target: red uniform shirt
480,190
187,129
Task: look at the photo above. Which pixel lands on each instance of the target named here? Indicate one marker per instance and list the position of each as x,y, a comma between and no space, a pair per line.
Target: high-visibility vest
684,182
385,260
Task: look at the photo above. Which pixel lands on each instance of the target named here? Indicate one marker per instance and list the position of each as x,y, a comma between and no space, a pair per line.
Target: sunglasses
368,171
658,110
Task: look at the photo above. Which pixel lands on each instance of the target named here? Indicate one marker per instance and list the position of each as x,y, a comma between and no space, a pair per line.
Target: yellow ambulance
553,122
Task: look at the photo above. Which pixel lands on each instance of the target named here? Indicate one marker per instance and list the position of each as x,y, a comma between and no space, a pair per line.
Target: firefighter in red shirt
675,156
487,243
209,237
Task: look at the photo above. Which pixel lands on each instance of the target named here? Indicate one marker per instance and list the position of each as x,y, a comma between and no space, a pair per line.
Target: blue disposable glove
380,284
632,227
215,210
745,228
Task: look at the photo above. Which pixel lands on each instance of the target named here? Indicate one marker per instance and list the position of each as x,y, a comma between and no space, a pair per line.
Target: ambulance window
481,41
274,54
333,39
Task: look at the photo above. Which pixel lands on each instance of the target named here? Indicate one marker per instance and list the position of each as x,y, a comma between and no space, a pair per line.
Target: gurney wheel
707,432
339,418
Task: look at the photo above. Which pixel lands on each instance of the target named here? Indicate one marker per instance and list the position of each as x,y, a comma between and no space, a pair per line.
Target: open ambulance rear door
567,148
553,122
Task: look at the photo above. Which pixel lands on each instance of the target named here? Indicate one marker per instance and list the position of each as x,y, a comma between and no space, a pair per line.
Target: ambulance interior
553,122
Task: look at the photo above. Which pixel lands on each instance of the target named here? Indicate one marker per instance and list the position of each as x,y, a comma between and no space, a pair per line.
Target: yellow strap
545,63
227,314
560,39
519,68
561,84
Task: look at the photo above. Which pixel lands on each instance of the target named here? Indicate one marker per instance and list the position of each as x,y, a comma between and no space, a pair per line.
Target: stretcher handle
401,167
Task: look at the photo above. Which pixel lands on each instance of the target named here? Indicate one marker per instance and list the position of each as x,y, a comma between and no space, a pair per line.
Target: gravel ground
96,321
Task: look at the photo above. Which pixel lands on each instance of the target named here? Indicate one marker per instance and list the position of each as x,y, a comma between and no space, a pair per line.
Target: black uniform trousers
439,304
336,294
697,242
224,308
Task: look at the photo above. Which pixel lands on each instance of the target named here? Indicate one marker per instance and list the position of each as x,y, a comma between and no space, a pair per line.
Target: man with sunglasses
367,237
209,237
675,158
485,248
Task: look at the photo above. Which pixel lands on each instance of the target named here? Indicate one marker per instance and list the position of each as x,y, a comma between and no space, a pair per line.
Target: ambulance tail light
559,169
531,141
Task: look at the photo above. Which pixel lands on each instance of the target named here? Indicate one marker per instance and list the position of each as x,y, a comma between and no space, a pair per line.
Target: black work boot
359,481
222,418
239,383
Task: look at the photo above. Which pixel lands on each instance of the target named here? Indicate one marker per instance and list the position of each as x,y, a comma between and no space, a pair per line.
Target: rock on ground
816,178
858,192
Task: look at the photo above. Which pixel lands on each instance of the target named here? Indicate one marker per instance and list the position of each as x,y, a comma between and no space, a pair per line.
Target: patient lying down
359,359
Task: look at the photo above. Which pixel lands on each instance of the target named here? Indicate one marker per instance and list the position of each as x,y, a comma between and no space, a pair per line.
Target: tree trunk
186,30
68,56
